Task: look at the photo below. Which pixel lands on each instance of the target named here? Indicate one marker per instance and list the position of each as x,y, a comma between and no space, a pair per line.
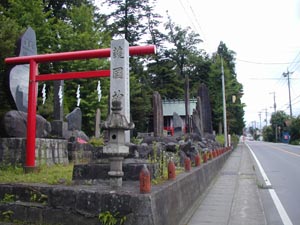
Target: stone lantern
116,124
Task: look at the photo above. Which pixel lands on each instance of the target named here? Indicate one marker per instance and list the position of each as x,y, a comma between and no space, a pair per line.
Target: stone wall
169,203
80,153
47,151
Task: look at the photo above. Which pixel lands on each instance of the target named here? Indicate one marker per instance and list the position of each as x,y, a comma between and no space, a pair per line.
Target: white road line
264,175
282,213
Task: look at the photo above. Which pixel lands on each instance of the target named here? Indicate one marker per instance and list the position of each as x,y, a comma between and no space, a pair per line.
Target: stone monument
158,119
19,74
74,119
119,78
205,109
58,125
197,122
97,123
177,124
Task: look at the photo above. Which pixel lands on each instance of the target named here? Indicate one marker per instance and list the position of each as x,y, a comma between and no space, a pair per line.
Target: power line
185,11
265,63
296,68
197,21
265,78
294,62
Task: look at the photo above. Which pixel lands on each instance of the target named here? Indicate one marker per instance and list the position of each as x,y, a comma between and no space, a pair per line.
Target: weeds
162,158
107,218
8,198
47,174
6,216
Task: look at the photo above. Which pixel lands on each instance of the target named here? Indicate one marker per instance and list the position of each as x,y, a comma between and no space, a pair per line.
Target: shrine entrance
118,72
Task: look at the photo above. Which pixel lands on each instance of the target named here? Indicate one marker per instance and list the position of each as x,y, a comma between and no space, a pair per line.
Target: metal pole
266,111
287,74
290,104
274,97
259,114
224,105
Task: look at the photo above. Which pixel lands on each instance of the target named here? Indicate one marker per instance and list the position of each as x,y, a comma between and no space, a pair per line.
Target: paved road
281,163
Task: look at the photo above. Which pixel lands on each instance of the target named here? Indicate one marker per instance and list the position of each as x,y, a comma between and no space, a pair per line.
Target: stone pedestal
116,173
98,172
59,128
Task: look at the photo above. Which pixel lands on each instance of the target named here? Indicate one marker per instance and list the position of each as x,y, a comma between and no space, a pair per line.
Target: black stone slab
95,172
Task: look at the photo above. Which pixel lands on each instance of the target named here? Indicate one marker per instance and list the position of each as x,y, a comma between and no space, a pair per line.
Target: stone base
47,151
80,153
115,182
59,128
97,172
31,169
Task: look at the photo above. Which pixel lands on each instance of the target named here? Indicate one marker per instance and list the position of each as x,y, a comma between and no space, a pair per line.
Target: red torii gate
34,77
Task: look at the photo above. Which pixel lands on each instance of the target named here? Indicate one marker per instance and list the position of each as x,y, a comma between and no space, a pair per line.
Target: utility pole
224,104
266,111
274,106
274,114
259,114
287,74
187,104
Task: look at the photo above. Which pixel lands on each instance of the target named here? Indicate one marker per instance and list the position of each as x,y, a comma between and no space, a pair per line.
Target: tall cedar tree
129,19
185,44
234,110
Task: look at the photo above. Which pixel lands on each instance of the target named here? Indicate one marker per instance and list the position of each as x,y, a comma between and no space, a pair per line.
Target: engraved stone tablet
19,74
119,79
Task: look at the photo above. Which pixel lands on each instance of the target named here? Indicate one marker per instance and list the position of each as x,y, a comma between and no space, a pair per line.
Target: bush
295,142
234,140
96,142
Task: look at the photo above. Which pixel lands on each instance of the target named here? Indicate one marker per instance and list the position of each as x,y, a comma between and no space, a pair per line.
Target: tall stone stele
116,124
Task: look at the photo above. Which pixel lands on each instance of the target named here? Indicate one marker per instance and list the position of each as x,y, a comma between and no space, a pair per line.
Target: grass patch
164,177
56,174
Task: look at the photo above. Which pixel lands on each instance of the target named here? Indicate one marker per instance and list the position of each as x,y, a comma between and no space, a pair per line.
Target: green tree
234,110
129,18
15,17
82,33
295,131
63,26
215,93
185,45
59,8
133,20
163,77
279,121
71,25
268,134
31,13
9,33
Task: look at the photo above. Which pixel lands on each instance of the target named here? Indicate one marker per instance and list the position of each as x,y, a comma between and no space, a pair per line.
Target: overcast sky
265,34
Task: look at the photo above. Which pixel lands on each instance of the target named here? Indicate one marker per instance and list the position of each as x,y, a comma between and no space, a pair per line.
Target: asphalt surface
233,198
281,163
